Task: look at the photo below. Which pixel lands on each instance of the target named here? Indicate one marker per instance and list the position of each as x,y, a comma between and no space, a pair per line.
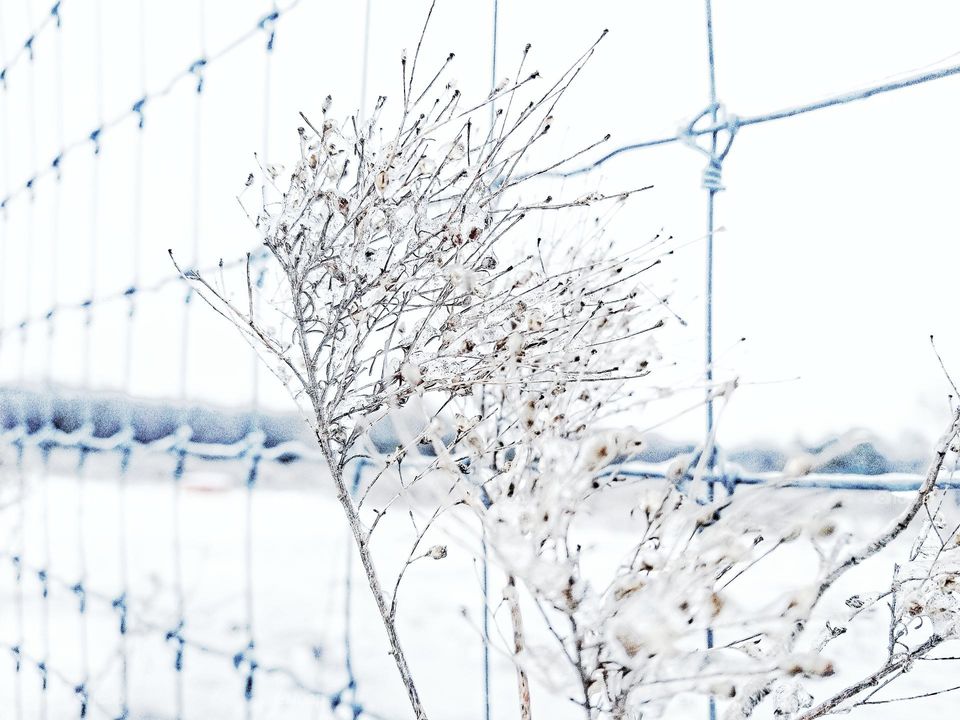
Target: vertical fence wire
365,65
484,559
4,234
351,688
47,421
176,635
708,323
247,656
711,193
22,480
96,189
121,601
5,179
83,456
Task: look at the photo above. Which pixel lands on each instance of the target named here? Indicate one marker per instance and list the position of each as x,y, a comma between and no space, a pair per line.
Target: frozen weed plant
405,269
397,275
633,637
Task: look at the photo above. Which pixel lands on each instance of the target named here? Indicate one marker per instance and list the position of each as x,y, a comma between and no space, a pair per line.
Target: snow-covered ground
298,571
73,524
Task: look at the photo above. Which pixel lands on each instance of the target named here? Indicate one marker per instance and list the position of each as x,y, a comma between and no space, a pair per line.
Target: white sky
840,249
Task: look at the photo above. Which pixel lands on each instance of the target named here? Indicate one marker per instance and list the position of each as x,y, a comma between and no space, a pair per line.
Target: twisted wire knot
137,108
120,605
94,137
268,25
246,657
81,594
355,708
84,696
728,480
176,636
196,69
728,125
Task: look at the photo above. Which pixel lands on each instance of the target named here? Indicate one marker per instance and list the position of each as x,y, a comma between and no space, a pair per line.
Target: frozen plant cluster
391,280
405,272
633,639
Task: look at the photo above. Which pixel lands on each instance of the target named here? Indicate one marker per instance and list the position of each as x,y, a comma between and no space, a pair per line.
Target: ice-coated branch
906,516
895,665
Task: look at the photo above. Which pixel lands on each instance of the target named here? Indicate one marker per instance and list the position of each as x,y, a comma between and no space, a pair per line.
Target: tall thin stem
361,538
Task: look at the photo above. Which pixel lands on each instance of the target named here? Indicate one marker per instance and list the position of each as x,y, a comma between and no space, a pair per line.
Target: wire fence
112,620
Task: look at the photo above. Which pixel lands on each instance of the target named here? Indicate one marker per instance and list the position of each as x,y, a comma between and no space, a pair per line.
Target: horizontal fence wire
736,122
194,70
256,256
254,445
25,48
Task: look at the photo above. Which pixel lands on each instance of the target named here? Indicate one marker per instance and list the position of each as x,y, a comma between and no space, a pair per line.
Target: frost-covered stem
516,619
360,537
894,665
581,670
376,589
892,604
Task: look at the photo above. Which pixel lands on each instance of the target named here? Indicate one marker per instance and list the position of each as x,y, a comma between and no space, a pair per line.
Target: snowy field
299,618
84,526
